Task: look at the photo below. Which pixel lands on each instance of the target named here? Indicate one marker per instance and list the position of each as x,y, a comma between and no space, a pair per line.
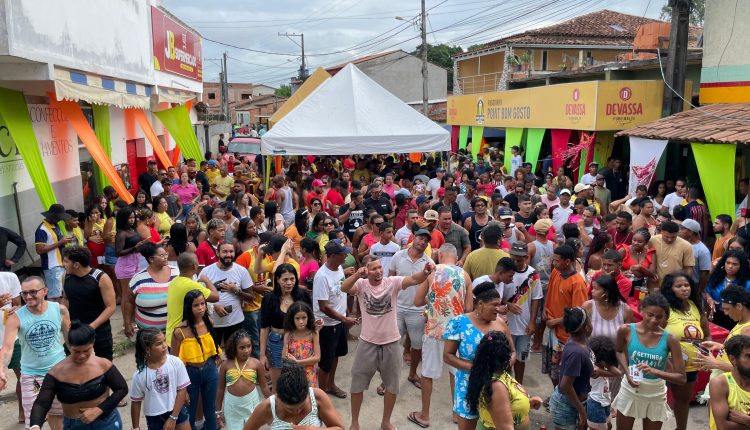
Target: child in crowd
194,342
159,384
237,395
301,343
605,367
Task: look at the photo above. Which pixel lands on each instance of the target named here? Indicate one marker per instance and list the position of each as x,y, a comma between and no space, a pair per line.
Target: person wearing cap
540,258
690,230
672,253
378,348
174,207
590,177
434,184
411,319
147,178
512,198
329,305
515,161
49,242
602,194
423,204
561,212
512,230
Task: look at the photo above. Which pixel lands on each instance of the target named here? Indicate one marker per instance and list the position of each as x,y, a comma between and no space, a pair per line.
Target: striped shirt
150,299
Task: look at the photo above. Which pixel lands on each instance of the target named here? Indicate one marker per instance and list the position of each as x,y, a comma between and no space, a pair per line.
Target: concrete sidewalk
409,399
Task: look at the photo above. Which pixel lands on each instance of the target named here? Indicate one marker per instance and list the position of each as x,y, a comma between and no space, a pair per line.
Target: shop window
245,96
212,96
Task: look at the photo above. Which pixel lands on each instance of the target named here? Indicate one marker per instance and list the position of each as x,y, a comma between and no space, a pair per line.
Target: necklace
665,258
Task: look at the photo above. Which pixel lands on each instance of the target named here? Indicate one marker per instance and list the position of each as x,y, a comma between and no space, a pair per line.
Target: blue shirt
715,290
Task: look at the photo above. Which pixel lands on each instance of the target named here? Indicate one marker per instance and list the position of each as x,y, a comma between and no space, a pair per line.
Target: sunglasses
327,223
31,293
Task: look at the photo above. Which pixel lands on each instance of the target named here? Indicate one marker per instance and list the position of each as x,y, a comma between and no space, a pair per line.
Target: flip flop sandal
416,382
338,392
413,418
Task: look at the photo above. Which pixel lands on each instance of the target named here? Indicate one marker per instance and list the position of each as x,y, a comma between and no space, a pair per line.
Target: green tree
283,91
697,12
475,46
441,55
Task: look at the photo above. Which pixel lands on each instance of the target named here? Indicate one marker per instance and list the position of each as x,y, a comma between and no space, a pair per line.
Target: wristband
173,417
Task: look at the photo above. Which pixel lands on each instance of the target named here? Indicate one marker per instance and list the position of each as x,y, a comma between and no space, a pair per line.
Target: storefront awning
75,85
714,123
171,95
590,106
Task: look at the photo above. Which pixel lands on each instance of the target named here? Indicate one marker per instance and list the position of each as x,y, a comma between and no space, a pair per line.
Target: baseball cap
421,199
565,191
581,187
422,232
349,164
431,215
334,247
543,225
441,192
691,225
439,170
519,248
404,192
504,212
593,163
317,183
213,162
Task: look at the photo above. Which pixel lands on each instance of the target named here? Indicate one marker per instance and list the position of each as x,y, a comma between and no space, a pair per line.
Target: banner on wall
644,157
177,49
715,164
57,144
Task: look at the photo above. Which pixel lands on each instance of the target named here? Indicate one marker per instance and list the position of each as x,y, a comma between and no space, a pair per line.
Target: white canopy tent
351,114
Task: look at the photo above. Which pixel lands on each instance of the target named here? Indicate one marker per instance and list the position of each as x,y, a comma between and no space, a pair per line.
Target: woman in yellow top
193,342
163,220
688,323
238,395
735,303
502,403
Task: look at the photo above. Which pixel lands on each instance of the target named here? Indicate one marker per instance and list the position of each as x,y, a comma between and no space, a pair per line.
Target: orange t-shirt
564,292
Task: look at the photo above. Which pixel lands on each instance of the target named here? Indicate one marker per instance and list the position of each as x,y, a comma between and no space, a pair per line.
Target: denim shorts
108,422
596,414
522,342
156,422
564,414
274,348
53,279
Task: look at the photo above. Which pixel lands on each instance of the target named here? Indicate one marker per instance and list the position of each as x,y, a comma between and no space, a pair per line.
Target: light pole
423,29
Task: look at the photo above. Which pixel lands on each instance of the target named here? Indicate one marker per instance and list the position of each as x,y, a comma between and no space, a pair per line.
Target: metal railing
485,83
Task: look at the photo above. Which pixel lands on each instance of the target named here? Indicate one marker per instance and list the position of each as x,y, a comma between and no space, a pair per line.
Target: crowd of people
241,300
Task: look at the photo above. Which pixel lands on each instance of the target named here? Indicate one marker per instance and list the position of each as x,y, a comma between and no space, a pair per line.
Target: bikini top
234,375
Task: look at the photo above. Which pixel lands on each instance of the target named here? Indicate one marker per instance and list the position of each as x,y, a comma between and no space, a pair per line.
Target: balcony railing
485,83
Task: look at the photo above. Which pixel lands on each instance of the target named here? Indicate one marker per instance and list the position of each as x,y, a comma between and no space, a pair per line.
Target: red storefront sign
177,49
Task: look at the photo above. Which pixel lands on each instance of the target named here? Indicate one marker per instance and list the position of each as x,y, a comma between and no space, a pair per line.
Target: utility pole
677,57
303,66
225,89
424,60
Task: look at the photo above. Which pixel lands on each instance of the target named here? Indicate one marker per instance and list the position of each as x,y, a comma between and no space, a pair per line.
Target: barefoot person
378,348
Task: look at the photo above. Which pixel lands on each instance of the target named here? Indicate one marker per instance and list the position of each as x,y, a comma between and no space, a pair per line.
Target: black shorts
103,344
224,333
332,345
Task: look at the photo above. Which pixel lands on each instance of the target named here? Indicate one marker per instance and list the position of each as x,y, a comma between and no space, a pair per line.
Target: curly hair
603,348
719,274
143,341
492,356
291,313
230,349
292,387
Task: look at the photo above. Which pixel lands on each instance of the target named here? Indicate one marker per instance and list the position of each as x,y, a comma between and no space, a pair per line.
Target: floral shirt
445,299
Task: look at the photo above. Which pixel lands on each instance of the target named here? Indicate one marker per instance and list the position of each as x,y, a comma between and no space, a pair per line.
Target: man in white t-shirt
675,199
378,348
404,233
329,305
235,286
516,161
523,297
433,185
590,177
386,248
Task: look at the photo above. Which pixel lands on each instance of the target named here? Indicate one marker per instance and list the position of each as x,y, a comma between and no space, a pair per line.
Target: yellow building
588,40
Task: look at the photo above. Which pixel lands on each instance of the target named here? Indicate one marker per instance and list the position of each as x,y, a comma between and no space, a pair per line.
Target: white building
107,52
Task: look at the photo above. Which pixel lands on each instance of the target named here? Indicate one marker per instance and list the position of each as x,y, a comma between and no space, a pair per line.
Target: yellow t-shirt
519,403
738,400
223,185
165,223
483,261
723,357
686,327
212,175
175,298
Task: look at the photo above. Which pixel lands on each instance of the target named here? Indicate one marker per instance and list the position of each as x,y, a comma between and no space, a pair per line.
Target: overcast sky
337,31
